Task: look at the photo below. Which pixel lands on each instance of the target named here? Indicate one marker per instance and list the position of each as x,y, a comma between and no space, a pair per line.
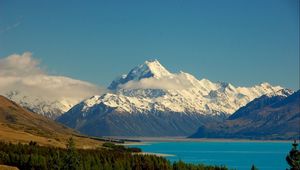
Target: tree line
32,156
113,157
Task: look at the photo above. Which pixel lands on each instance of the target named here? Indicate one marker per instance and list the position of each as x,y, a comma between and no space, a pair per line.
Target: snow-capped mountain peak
150,87
92,101
150,100
156,69
281,92
151,68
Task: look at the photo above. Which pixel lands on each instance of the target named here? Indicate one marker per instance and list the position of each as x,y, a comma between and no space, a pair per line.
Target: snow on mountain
23,81
150,87
43,106
50,96
272,116
148,69
151,101
282,92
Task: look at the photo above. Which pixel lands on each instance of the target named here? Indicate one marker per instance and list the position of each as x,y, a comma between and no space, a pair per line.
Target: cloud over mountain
151,101
176,82
23,73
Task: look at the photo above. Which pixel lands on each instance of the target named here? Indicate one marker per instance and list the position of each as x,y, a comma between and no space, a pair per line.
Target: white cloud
23,73
174,82
19,65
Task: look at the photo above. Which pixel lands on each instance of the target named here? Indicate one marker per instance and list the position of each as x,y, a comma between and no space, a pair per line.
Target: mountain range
271,116
151,101
50,96
147,101
43,106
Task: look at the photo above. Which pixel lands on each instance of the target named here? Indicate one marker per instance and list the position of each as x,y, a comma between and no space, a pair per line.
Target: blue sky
244,42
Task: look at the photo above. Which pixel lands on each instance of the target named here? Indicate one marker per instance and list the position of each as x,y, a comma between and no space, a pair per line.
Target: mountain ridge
193,91
145,95
267,117
50,99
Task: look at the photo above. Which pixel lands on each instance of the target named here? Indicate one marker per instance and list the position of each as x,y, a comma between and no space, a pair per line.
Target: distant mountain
271,116
48,95
20,125
151,101
41,105
26,82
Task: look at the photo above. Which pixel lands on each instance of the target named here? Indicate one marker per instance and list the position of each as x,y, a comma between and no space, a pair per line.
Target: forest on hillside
32,156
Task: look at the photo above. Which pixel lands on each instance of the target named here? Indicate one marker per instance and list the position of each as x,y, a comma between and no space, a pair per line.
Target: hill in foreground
20,125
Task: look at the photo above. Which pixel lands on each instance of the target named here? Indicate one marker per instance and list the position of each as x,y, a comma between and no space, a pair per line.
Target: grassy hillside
20,125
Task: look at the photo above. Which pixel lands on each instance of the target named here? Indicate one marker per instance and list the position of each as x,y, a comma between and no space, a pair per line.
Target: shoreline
156,154
149,140
135,143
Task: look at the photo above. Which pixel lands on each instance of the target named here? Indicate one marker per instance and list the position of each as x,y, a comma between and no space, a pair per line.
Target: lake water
236,155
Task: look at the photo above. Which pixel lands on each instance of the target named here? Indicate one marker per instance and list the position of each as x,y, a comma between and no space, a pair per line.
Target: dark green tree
26,156
253,167
71,161
54,160
293,158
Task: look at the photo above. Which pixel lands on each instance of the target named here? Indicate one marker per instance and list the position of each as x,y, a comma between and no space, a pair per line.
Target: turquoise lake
235,155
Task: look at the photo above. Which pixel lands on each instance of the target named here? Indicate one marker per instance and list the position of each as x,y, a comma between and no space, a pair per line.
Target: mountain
43,106
47,95
147,70
25,81
20,125
151,101
271,116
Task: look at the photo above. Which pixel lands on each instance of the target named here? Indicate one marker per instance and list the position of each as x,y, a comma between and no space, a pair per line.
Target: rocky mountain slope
272,116
151,101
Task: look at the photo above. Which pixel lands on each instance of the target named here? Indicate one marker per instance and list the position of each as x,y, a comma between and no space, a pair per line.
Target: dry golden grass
20,125
5,167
